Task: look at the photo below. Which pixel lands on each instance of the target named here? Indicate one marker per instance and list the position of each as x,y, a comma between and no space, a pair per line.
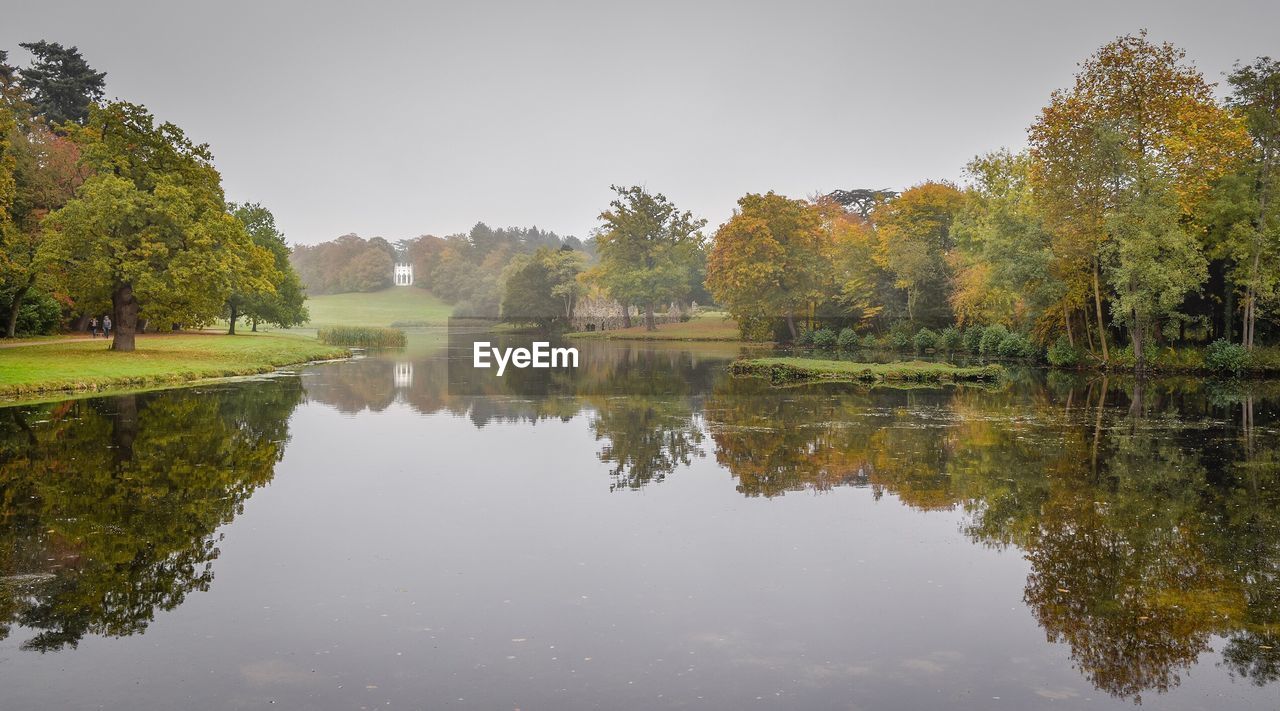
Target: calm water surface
644,532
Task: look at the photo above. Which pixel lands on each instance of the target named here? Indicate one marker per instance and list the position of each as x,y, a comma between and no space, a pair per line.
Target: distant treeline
463,269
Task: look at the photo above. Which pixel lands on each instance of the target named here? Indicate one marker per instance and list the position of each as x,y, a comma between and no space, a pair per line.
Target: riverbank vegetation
90,365
106,211
1142,216
704,326
789,370
362,337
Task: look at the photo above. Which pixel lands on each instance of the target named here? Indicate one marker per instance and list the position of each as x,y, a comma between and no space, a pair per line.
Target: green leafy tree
282,305
1004,254
148,231
648,250
540,288
1139,121
1256,97
771,259
60,84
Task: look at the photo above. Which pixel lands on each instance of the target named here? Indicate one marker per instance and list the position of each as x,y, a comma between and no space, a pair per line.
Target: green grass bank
782,371
89,365
402,306
713,326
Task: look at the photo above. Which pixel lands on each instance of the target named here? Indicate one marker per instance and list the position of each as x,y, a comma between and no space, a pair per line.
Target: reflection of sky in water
421,547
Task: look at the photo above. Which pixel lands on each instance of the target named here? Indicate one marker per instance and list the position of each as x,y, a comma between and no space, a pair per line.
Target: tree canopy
148,232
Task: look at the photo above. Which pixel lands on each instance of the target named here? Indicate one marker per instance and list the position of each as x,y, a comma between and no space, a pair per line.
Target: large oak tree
148,232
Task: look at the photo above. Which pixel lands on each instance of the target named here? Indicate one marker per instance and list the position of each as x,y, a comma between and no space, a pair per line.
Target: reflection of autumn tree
774,440
1145,541
1120,569
110,506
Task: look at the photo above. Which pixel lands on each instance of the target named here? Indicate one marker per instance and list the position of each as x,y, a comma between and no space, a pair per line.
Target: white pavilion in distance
403,275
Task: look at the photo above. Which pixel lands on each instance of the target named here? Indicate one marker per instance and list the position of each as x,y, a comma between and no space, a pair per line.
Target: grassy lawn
713,326
405,306
796,370
159,359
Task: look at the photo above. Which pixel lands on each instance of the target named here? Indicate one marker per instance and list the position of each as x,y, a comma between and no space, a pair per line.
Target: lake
401,531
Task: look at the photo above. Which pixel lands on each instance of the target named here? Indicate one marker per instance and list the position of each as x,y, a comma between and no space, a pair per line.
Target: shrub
824,338
40,313
870,341
925,340
362,337
755,328
1224,356
1016,345
1062,354
805,339
950,339
847,340
972,339
989,345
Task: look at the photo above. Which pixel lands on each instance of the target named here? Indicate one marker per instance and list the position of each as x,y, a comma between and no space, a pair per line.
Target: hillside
406,306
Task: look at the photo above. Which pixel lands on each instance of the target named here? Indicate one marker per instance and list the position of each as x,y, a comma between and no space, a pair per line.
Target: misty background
401,119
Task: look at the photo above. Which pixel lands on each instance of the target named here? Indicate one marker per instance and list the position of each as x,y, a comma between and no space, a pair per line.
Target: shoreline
86,367
794,371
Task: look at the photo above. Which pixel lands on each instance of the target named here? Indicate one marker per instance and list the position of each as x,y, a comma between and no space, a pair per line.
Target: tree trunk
11,323
626,315
254,321
791,326
124,426
1229,313
1097,304
1137,335
1088,330
231,329
1251,303
649,324
1066,318
124,308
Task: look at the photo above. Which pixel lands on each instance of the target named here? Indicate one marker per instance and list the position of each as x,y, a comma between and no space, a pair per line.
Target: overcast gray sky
399,119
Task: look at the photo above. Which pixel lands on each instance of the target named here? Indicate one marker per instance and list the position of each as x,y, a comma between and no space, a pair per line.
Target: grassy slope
713,326
786,370
405,304
159,359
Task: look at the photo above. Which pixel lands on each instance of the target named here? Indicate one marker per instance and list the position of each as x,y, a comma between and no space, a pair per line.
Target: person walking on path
106,327
93,327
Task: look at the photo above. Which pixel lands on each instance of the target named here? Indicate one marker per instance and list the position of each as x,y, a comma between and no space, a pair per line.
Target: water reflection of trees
109,507
1149,512
641,401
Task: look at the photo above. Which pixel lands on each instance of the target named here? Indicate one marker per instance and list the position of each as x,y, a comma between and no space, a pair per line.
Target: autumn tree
1137,122
148,232
648,249
914,243
44,169
771,259
860,287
